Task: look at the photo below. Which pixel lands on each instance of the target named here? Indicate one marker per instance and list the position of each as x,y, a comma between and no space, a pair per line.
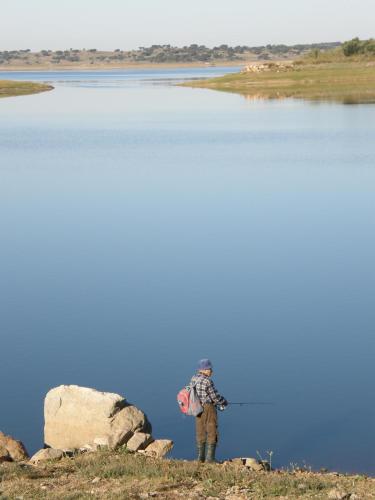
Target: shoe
210,457
201,447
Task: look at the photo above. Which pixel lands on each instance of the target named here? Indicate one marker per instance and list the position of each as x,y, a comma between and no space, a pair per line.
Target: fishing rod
252,403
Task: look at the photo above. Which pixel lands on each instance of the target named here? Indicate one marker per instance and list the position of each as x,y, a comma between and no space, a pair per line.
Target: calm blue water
144,226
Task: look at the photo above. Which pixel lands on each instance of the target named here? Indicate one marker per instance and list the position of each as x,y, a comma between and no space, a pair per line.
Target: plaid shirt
206,390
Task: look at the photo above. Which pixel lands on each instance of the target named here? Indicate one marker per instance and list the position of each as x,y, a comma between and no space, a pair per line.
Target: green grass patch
10,88
118,475
348,82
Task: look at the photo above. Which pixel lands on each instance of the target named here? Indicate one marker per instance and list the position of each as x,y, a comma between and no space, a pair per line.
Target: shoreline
116,67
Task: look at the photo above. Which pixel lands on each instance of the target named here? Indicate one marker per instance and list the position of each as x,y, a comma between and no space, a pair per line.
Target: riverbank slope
10,88
120,474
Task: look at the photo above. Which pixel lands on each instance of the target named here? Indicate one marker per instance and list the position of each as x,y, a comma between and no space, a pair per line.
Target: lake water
145,226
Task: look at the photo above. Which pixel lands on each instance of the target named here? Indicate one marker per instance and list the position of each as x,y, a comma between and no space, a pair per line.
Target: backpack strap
193,382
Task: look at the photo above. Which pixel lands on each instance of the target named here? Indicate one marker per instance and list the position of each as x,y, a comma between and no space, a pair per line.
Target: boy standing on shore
207,422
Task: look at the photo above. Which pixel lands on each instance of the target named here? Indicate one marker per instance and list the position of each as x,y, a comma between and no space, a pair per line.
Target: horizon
99,49
91,24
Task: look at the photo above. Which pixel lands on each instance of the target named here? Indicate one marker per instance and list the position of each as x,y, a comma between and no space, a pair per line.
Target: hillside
119,475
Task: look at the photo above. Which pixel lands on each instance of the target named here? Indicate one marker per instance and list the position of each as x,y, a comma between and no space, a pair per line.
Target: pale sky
128,24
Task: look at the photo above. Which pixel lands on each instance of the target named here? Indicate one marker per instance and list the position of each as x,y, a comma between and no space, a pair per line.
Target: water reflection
146,226
342,99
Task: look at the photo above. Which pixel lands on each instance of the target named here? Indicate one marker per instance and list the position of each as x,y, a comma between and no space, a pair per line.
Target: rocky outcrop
11,449
46,454
159,448
79,416
270,66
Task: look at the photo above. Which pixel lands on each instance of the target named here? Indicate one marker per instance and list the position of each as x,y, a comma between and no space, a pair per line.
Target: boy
206,422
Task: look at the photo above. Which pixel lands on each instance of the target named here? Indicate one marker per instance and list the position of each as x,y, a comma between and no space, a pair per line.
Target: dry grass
11,88
119,475
346,82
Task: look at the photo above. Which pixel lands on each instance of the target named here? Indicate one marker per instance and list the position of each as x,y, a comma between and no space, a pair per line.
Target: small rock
336,494
46,454
253,464
70,453
4,455
159,448
88,448
95,480
235,493
46,486
15,449
139,441
238,461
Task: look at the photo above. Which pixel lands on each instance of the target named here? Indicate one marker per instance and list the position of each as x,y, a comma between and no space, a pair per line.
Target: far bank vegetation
350,51
155,54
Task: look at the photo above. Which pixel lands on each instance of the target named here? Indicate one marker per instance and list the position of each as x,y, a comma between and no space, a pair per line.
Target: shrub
357,46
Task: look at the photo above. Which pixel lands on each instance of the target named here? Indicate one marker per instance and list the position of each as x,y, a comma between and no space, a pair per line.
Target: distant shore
96,67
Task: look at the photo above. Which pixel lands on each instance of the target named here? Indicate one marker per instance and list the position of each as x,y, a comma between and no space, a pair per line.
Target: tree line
188,54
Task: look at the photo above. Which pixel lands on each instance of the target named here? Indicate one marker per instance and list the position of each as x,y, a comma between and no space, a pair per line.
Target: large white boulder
76,416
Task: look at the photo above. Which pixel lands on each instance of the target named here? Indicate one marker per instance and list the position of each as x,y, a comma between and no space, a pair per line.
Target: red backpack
188,401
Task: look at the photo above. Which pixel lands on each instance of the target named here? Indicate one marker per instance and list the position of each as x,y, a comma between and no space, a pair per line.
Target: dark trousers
206,425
